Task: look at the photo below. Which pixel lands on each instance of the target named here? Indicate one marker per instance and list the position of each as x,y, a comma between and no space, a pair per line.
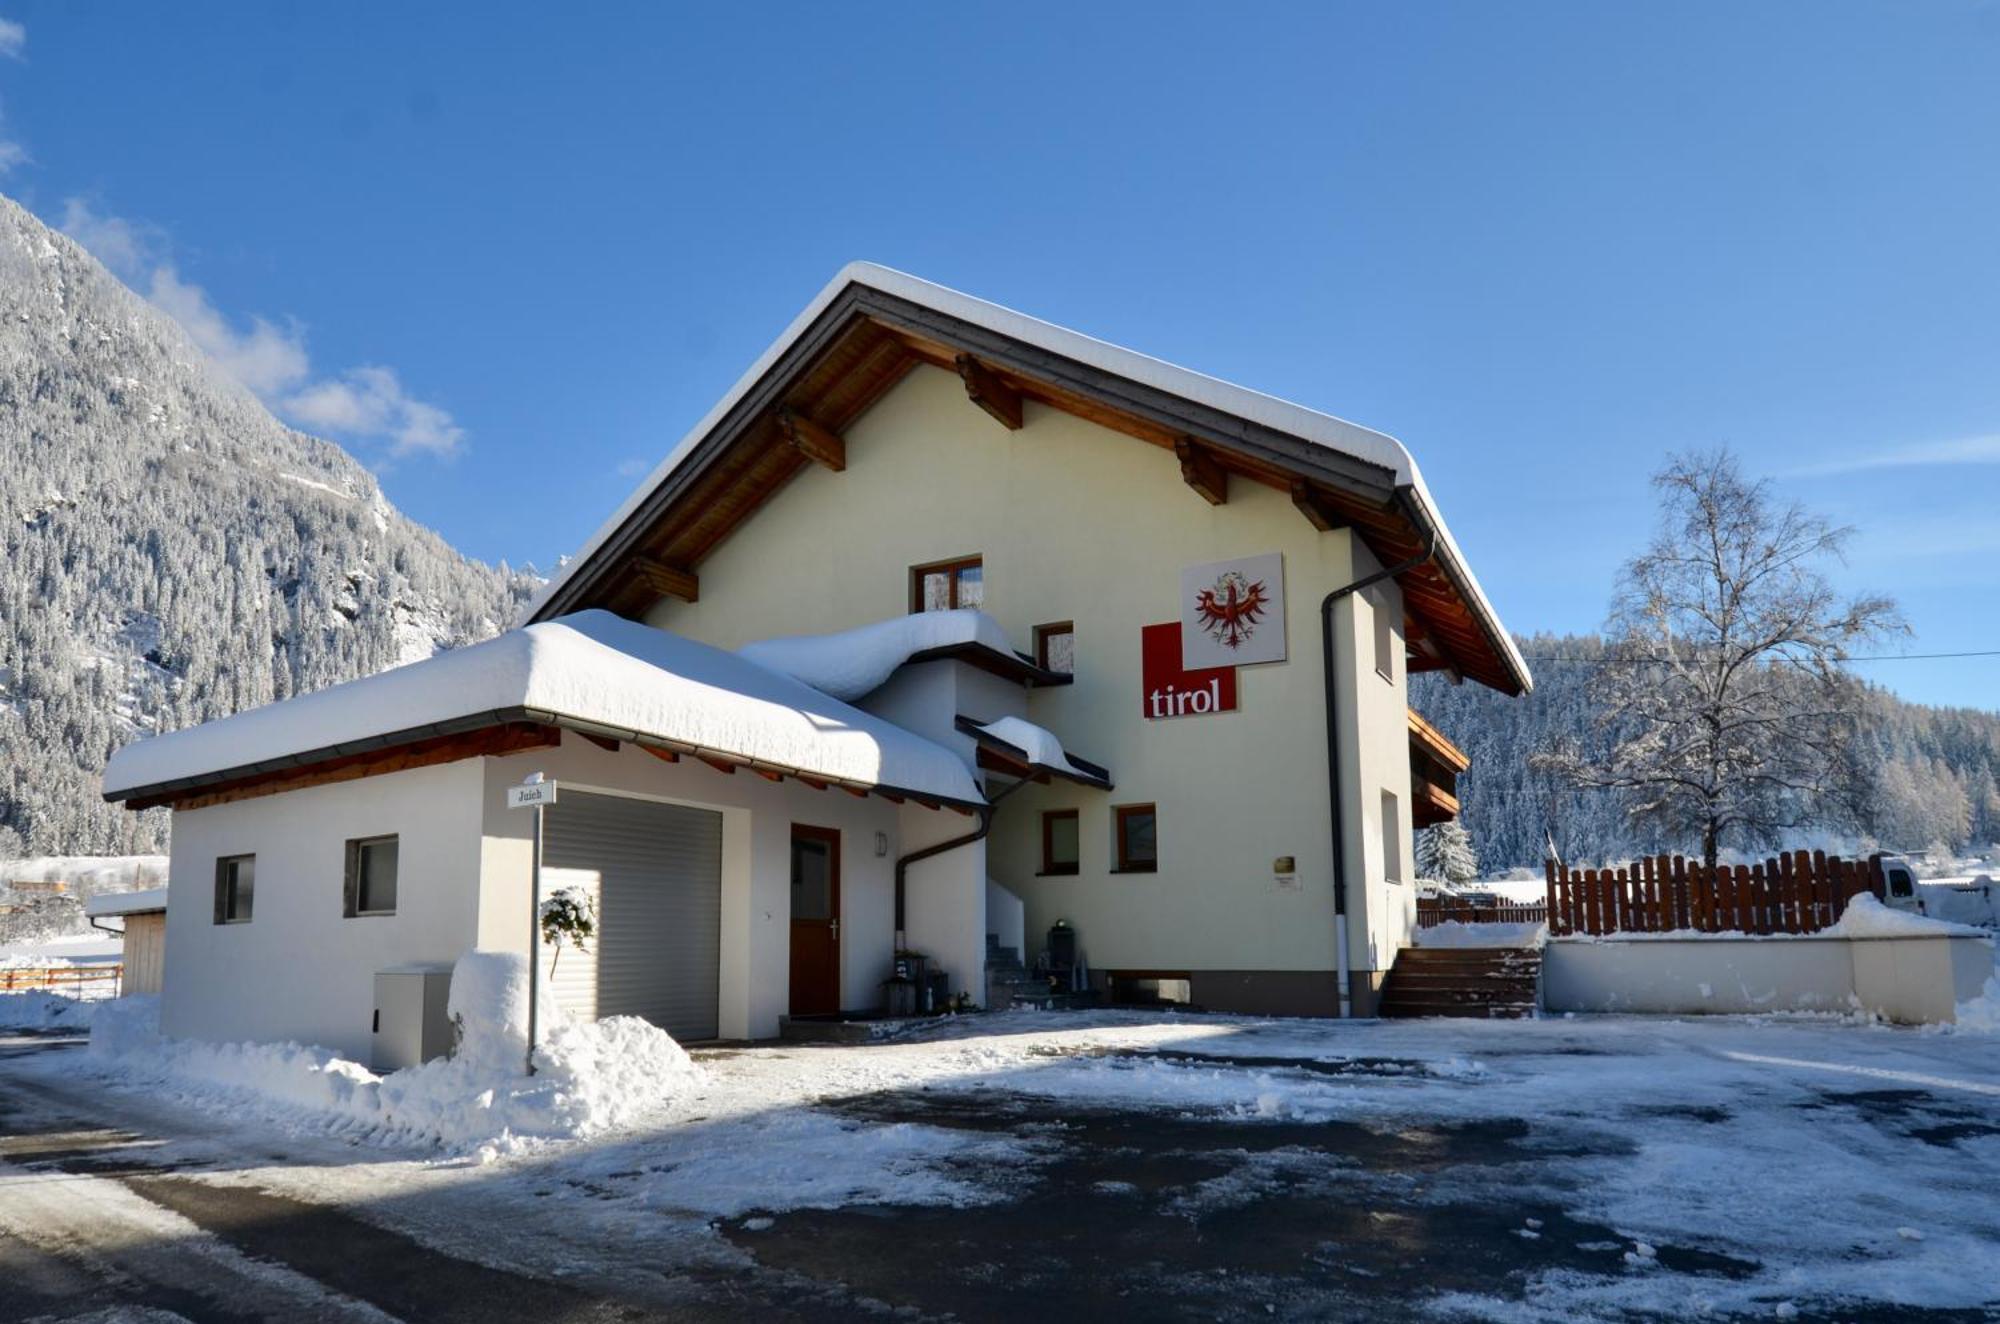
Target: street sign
533,795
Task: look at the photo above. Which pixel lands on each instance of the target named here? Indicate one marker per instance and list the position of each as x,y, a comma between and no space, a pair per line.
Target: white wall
1078,523
754,982
1006,920
298,969
944,898
1374,729
1910,980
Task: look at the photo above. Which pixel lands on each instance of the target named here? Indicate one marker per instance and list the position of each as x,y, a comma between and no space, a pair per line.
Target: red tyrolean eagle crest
1230,610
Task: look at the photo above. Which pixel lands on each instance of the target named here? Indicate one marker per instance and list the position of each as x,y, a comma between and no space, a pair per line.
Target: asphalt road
114,1211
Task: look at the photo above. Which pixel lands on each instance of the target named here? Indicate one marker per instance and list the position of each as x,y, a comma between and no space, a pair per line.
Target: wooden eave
866,341
1007,666
502,732
1009,759
1433,742
1434,804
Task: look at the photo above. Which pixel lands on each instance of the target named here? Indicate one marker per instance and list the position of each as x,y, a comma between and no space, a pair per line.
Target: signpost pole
535,940
538,795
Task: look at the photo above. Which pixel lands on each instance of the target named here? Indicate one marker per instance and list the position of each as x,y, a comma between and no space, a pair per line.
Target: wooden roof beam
1202,471
1425,653
821,445
670,581
1319,511
986,390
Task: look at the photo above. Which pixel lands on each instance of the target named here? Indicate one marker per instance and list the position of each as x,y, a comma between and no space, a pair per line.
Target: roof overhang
495,733
870,327
1010,760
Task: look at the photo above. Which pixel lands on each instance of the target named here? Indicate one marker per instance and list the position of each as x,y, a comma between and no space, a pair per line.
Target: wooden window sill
1138,868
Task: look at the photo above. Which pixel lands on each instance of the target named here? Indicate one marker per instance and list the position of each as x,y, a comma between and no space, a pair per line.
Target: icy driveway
1011,1166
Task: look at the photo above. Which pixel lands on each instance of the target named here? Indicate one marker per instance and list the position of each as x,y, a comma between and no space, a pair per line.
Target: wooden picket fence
1802,892
1435,910
79,981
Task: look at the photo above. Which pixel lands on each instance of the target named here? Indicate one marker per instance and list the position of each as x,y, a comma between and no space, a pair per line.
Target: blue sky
509,253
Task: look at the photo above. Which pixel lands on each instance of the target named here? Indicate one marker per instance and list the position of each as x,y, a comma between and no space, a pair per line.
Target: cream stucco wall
298,969
1078,523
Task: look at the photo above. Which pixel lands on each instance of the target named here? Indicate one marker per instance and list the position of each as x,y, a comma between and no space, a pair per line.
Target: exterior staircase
1007,980
1475,982
1011,984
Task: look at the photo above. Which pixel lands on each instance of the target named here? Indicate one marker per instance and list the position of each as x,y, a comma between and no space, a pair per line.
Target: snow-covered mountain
172,552
1935,772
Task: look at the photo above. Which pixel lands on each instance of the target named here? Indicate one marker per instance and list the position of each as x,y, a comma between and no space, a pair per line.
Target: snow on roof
850,663
1335,434
1041,745
126,903
591,667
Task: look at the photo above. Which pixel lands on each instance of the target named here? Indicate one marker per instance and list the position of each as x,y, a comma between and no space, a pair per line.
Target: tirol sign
1169,689
1233,612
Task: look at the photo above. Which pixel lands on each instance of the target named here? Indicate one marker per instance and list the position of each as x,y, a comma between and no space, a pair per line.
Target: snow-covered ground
1676,1168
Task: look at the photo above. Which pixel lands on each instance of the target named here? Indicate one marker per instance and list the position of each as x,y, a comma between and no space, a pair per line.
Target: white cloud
12,153
125,246
1909,455
13,39
634,468
370,401
270,360
367,403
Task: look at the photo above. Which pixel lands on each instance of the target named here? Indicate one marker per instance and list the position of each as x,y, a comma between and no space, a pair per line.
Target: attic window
947,585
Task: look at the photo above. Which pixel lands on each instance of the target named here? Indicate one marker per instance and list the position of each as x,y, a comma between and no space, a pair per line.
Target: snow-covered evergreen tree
1445,853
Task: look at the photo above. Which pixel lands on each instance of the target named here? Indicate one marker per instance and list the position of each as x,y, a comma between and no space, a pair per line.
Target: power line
1879,657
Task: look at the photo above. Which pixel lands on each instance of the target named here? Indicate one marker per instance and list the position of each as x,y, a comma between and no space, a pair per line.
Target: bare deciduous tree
1725,706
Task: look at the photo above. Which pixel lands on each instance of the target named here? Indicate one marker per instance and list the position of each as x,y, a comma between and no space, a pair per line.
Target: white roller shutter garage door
656,870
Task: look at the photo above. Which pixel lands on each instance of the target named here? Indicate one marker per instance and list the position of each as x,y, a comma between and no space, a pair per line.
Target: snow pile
1453,933
591,1077
38,1009
1041,746
592,666
851,663
1867,917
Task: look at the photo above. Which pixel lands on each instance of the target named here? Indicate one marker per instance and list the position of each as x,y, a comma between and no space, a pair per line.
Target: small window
1055,647
235,888
1138,839
1392,838
1059,841
1385,636
371,876
948,585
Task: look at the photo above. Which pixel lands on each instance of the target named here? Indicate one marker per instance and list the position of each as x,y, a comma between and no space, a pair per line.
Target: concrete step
1479,982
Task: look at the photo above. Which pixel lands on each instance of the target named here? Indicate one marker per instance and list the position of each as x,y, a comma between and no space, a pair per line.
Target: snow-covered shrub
569,917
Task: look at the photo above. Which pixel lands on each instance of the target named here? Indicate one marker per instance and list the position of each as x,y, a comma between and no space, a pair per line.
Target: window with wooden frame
947,585
1059,841
371,876
1055,647
235,888
1137,838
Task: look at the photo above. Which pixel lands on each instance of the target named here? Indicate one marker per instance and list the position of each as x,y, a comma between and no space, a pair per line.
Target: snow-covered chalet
946,632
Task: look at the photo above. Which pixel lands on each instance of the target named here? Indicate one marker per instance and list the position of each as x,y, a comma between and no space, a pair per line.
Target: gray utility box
412,1024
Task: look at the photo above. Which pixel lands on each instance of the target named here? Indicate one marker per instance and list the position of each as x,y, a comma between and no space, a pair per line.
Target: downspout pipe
1331,676
903,863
